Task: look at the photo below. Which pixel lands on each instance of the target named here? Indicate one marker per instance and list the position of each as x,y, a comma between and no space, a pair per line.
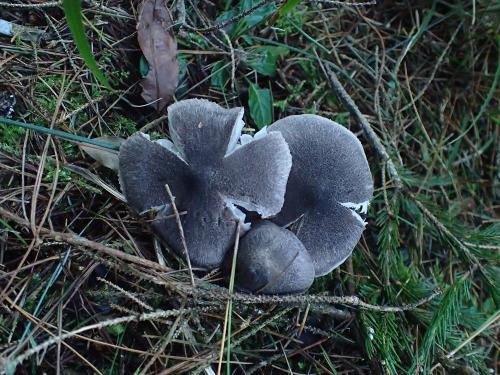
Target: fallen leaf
265,58
287,7
260,102
105,157
158,44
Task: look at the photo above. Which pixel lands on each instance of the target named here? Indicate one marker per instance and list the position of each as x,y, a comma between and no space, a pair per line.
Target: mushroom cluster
304,172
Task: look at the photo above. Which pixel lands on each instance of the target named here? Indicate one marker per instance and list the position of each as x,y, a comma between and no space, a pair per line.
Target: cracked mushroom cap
272,260
208,173
329,182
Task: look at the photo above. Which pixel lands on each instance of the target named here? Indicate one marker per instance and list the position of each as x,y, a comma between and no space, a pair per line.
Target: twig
180,7
181,233
216,293
83,242
33,319
229,21
152,124
490,321
346,300
4,363
246,298
126,293
347,3
49,4
183,25
233,60
373,138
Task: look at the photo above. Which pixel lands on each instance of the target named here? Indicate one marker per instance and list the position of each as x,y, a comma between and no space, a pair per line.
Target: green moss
122,125
11,137
46,96
65,175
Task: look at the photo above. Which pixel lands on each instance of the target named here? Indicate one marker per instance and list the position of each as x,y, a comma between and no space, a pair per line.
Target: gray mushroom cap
272,260
330,180
207,174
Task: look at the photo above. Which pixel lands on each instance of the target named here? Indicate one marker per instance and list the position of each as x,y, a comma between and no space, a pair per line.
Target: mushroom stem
181,233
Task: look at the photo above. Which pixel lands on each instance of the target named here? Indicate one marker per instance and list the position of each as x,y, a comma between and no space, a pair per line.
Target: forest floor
425,75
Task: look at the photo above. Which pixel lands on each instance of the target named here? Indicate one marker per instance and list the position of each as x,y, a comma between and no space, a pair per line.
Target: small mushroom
272,260
329,182
208,174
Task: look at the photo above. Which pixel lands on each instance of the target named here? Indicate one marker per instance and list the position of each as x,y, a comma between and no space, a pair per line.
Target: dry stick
260,4
181,233
41,324
480,330
23,174
32,223
373,138
124,319
88,339
229,21
233,60
76,240
222,294
152,124
230,301
126,294
353,301
49,4
160,348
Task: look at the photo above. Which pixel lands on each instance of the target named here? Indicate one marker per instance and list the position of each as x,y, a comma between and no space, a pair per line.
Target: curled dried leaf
159,46
105,157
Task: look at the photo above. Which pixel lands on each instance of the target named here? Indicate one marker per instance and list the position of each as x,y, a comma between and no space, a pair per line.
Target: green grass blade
287,7
59,133
73,13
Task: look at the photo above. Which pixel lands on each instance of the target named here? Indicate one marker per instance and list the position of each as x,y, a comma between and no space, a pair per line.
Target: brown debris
159,46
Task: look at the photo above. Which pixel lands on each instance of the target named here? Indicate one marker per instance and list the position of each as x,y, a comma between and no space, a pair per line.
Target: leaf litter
159,46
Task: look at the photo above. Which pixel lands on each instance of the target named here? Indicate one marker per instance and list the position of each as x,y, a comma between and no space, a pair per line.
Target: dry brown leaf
105,157
159,46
